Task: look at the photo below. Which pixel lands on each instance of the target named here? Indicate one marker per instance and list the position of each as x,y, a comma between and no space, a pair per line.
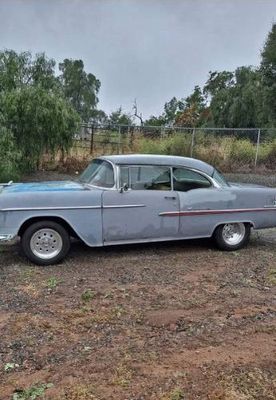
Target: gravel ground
165,321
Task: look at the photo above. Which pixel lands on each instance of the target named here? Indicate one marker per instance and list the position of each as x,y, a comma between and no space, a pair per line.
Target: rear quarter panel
253,205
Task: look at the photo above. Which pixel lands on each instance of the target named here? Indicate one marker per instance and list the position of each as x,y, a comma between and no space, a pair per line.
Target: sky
148,50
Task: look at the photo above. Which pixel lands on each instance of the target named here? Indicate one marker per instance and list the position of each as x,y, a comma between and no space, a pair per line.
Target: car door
135,213
201,203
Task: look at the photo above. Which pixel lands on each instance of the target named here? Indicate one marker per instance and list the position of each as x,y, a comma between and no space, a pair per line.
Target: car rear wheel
232,236
45,242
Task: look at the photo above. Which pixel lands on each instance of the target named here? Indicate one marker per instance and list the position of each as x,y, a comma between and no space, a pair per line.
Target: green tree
35,116
268,71
118,117
10,156
99,117
217,82
197,98
40,121
236,98
43,72
155,121
217,90
79,87
192,110
171,108
20,69
245,99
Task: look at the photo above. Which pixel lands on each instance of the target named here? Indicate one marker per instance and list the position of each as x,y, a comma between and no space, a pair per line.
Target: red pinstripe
212,212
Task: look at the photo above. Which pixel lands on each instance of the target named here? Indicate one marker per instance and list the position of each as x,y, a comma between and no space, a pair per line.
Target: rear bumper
6,237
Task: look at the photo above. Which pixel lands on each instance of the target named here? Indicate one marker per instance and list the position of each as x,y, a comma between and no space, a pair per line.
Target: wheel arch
246,222
65,224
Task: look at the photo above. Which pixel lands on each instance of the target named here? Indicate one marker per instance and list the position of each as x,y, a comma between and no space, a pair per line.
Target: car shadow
164,246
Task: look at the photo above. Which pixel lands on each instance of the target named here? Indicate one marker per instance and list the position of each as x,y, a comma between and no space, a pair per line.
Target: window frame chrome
115,173
142,165
213,182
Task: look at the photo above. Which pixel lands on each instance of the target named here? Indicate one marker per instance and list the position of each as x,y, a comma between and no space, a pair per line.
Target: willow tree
10,156
268,70
33,106
40,121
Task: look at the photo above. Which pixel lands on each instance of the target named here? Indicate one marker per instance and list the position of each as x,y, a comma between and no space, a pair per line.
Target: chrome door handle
170,197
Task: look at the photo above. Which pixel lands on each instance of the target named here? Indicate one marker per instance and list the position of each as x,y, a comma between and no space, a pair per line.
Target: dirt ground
169,321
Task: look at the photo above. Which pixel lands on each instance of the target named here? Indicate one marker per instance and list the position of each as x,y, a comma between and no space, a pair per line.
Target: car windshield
220,178
98,173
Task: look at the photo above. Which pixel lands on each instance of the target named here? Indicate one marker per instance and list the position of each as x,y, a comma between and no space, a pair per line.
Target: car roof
153,159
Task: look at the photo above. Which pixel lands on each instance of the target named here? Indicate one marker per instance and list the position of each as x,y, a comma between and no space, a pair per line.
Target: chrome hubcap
46,243
233,234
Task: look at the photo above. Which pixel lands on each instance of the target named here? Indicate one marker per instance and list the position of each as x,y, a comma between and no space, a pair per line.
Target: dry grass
246,385
175,394
224,152
79,392
271,277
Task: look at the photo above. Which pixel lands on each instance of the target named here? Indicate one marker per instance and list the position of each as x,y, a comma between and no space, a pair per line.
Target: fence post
193,142
128,138
119,138
257,148
162,132
92,141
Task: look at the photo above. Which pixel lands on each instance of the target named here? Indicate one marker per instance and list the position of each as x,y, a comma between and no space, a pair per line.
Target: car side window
124,176
99,173
146,177
186,179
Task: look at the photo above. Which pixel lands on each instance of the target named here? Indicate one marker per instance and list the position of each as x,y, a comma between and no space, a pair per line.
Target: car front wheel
45,242
232,236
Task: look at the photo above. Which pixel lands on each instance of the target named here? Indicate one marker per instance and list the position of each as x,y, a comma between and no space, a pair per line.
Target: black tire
222,244
35,228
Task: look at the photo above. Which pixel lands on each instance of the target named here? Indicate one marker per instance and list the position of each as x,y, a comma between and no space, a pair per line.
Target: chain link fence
251,144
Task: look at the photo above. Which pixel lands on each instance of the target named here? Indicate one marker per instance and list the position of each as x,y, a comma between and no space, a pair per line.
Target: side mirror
124,188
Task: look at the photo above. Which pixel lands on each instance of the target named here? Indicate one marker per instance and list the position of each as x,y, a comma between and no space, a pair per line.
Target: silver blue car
133,199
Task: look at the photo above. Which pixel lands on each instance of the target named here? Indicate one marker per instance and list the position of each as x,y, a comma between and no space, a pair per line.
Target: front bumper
6,238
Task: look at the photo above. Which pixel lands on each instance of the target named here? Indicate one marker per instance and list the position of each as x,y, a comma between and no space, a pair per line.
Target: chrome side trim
210,212
6,184
71,208
51,208
89,186
6,238
126,206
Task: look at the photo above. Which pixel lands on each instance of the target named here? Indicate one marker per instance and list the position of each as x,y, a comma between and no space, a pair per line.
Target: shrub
149,146
41,122
270,156
10,157
222,152
178,145
242,152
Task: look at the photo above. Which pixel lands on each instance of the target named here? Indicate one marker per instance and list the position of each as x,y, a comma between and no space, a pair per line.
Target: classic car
133,198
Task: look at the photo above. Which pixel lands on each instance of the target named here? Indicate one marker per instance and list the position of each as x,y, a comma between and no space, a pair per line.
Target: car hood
51,186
